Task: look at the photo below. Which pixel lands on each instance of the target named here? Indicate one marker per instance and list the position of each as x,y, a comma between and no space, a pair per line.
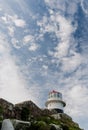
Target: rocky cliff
40,119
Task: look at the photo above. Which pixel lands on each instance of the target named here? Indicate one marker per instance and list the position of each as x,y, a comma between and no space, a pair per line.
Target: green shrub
39,125
22,127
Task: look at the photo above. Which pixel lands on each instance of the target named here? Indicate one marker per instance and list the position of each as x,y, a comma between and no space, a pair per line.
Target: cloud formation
13,19
11,80
84,5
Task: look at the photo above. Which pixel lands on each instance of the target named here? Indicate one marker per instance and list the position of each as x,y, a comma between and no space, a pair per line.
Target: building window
55,94
51,95
58,95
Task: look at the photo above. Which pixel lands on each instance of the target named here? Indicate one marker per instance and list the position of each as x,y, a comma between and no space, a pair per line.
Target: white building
55,102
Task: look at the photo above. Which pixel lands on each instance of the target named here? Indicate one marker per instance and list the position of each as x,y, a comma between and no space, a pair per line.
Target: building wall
53,105
54,98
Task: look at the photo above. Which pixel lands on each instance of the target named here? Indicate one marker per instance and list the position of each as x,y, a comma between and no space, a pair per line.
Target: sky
43,47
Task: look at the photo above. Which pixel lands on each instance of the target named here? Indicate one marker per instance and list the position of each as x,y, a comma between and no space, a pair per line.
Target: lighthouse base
58,110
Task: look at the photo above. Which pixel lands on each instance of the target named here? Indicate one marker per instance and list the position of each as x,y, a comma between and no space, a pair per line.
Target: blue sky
43,46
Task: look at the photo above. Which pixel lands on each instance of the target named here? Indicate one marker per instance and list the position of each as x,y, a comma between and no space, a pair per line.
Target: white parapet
16,122
7,125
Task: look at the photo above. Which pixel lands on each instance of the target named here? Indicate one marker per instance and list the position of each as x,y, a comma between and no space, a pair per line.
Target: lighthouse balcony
55,103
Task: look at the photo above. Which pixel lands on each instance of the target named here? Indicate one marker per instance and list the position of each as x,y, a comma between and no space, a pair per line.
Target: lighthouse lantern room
55,102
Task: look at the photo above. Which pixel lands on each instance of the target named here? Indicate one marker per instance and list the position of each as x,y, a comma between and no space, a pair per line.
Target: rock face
6,108
34,109
40,119
5,104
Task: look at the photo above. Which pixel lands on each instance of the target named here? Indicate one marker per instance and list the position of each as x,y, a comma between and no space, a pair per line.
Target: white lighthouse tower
55,102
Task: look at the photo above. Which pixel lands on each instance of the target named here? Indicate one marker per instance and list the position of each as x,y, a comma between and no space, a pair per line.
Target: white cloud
77,101
11,80
69,6
46,25
43,21
33,47
14,19
16,43
19,23
56,4
84,5
0,9
11,30
72,6
4,19
65,35
69,64
2,49
63,29
45,67
27,39
61,26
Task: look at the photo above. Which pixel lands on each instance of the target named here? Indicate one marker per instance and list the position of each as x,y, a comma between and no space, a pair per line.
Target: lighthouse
55,102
